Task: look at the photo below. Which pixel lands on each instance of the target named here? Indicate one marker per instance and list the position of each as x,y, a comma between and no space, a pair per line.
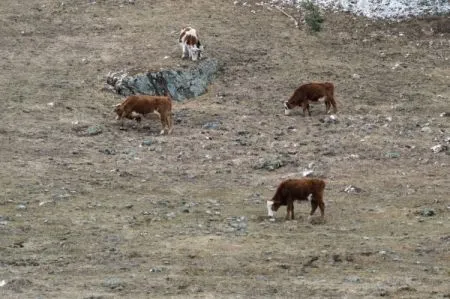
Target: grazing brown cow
136,106
298,189
311,92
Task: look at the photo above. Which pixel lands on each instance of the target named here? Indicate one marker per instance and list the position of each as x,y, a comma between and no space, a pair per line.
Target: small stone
330,119
392,155
21,207
445,114
171,215
427,212
156,270
353,279
356,76
94,130
426,130
147,142
211,125
113,283
108,151
352,189
439,148
307,172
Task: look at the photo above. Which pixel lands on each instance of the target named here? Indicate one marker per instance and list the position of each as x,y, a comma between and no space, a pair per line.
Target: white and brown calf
190,44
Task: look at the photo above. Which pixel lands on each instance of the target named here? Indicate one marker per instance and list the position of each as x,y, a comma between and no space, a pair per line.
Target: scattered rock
329,119
439,148
307,172
427,212
352,189
18,284
392,155
445,114
94,130
170,215
336,258
269,164
238,224
211,125
353,279
108,151
21,207
147,142
426,130
2,283
113,283
156,270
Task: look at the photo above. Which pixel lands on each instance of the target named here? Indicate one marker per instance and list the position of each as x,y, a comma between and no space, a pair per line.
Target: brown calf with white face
136,106
310,93
298,189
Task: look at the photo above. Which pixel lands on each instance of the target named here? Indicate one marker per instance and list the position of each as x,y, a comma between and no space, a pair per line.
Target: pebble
94,130
21,207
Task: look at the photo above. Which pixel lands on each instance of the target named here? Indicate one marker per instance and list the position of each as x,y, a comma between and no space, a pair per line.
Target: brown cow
311,92
136,106
298,189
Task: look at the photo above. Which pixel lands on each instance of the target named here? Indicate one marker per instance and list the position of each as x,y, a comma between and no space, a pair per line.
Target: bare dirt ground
104,216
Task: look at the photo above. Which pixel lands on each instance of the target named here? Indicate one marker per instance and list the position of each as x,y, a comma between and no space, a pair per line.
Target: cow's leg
185,51
170,122
333,103
305,106
327,106
165,123
161,118
290,208
314,204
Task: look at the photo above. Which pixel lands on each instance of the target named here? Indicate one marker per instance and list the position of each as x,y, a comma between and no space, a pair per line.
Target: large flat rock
182,83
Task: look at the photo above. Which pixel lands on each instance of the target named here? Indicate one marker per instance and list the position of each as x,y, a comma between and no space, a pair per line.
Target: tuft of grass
313,17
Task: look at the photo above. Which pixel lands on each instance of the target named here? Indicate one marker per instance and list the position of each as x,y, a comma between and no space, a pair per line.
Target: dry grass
97,224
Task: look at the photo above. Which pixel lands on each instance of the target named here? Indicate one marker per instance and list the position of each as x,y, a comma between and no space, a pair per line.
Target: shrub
313,17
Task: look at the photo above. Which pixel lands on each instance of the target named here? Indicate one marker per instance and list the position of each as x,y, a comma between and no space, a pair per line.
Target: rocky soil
88,210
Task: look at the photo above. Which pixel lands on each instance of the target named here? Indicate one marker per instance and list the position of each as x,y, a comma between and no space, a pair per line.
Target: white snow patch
380,9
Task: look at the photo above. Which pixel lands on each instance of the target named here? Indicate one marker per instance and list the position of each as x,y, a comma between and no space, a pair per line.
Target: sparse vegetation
313,16
131,214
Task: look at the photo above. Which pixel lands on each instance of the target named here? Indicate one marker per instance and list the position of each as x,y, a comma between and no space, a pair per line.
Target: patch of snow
380,9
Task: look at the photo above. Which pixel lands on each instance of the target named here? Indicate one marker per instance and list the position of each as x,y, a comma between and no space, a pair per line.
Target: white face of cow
287,111
270,213
196,52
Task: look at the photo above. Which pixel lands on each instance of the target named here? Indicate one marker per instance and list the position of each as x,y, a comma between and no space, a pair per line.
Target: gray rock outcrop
182,84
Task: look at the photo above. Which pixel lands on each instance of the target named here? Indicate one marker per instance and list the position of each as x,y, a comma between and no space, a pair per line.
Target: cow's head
197,50
118,109
272,207
287,108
